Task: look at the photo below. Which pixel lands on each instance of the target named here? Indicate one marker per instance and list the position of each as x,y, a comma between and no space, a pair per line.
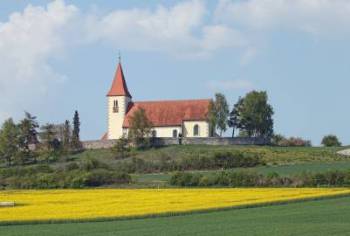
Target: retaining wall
158,142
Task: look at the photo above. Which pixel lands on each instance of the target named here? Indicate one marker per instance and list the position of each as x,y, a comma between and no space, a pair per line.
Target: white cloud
31,38
28,40
223,85
178,30
328,18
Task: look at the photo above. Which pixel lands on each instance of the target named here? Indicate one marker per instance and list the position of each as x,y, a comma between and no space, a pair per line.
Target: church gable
170,113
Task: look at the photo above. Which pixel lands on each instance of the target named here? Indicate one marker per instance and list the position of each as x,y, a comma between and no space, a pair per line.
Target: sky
60,56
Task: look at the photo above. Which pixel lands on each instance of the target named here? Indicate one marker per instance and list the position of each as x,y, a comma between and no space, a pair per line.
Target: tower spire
119,87
119,57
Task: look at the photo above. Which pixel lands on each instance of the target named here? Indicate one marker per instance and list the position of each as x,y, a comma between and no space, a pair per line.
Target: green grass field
322,217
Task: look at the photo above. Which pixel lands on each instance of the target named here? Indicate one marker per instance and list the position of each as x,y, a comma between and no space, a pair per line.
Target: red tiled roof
170,113
119,87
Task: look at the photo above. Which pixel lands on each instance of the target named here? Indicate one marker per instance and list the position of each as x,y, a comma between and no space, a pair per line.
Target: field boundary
171,214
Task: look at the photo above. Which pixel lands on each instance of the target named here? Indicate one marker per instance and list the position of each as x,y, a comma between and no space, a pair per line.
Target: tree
75,142
140,128
253,114
66,136
50,145
9,141
28,136
218,113
331,141
233,120
212,118
121,148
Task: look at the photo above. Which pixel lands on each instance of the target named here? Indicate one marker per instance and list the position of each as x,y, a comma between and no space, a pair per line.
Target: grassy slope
283,160
271,155
161,179
324,217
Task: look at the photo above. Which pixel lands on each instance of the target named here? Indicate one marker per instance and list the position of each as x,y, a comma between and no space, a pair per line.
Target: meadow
137,207
314,218
66,205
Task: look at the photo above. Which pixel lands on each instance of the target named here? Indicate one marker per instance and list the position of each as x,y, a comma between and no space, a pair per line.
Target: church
169,118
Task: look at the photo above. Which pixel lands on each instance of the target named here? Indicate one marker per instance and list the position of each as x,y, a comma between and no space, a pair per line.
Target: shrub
91,164
104,177
253,179
280,140
331,141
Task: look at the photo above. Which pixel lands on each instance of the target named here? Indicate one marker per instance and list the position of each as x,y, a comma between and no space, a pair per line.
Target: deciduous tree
140,128
331,141
253,114
9,141
218,113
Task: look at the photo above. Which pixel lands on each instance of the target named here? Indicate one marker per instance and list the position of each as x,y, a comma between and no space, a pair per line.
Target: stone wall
158,142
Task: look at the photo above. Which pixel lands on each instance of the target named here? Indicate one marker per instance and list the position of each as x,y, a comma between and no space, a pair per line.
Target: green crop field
322,217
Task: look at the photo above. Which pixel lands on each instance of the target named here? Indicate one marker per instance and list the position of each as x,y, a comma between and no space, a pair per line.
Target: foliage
222,160
212,118
75,140
121,148
28,136
67,136
253,114
331,141
50,145
218,113
140,129
9,141
280,140
253,179
87,173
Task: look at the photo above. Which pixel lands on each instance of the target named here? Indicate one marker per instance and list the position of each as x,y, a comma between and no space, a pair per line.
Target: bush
331,141
89,164
280,140
105,177
185,179
253,179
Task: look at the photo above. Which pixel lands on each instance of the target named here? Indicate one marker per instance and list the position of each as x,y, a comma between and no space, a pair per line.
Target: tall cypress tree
76,144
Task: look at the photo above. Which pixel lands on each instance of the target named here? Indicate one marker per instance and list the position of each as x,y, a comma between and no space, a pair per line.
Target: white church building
170,118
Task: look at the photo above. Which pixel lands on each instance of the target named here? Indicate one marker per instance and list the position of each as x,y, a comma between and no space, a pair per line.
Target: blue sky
60,56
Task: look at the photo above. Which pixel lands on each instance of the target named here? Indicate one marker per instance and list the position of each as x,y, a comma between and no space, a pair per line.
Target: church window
175,133
115,106
195,130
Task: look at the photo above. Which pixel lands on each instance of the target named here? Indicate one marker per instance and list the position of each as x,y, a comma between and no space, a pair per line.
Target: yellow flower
99,203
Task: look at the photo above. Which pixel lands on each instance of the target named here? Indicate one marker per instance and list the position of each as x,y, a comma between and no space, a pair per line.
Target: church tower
118,101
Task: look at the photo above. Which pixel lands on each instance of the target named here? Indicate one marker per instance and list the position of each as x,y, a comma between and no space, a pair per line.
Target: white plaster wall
162,132
203,128
166,132
115,120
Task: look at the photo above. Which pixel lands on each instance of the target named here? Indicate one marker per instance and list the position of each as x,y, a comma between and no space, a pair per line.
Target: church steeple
119,87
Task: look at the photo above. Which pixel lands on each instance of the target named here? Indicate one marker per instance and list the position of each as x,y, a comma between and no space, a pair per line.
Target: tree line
27,142
251,115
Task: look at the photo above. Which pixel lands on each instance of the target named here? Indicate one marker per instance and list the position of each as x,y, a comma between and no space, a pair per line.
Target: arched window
175,133
115,106
154,133
195,130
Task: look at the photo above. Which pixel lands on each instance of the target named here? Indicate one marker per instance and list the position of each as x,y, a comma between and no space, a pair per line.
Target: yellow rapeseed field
36,205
